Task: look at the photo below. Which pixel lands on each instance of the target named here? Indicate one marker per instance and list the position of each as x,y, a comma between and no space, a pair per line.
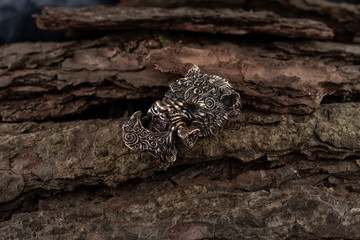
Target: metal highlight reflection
195,106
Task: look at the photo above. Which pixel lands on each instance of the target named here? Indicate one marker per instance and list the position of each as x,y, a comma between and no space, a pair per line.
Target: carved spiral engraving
192,108
131,138
210,102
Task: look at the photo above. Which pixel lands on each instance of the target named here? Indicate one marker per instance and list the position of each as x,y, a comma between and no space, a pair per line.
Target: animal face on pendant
195,106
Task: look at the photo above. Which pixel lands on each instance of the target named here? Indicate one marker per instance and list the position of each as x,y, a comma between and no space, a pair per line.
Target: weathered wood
343,18
64,156
290,86
198,208
286,168
54,80
345,56
226,21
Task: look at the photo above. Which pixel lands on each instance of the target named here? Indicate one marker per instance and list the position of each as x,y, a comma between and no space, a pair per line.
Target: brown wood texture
343,18
220,20
286,168
57,79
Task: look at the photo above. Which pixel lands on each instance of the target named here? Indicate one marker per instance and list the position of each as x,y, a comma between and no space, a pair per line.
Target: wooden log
55,80
342,17
227,21
64,156
204,208
286,167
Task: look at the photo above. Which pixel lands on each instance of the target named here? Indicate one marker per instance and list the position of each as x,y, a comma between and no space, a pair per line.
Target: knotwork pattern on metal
195,106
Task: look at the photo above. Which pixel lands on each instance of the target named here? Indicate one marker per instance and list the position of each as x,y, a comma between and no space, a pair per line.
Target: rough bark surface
287,168
286,164
222,20
341,17
39,82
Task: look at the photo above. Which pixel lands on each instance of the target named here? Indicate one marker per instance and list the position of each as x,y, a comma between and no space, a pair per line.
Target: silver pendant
195,106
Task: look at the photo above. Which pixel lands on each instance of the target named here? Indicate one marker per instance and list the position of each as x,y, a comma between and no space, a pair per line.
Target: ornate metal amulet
195,106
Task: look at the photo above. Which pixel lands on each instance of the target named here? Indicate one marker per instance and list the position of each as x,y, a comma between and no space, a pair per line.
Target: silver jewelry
195,106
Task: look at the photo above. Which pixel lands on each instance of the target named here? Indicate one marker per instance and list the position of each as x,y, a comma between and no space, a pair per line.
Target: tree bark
221,20
341,17
287,168
55,83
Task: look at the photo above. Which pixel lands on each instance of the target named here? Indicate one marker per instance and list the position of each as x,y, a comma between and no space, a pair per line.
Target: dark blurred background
17,24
